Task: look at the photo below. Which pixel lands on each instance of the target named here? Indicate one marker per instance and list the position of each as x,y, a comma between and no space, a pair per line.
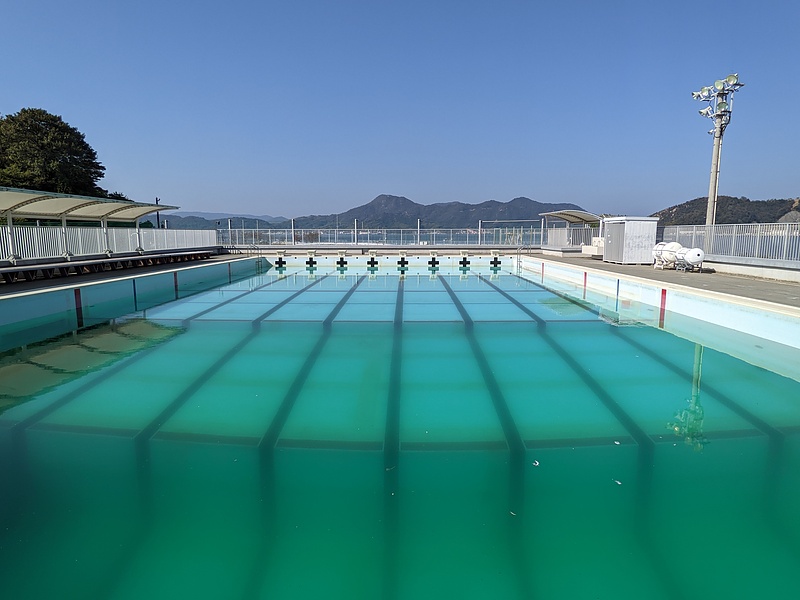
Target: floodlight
719,110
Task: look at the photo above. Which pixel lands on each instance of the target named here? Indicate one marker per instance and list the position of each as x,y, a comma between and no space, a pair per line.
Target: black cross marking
433,262
402,263
341,263
495,262
311,262
464,263
372,263
280,263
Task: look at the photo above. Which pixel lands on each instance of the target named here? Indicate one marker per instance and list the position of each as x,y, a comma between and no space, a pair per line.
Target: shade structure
573,216
33,204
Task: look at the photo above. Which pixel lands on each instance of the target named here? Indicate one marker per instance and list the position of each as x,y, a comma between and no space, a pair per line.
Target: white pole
67,253
419,239
293,240
480,225
104,225
355,231
12,246
139,248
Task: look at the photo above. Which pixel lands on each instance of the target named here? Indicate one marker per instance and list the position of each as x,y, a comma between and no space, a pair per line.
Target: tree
40,151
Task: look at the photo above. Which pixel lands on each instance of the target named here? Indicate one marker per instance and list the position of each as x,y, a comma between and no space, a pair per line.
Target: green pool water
449,435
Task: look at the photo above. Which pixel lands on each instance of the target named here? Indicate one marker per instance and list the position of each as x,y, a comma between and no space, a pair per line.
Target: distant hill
395,212
730,210
384,212
212,216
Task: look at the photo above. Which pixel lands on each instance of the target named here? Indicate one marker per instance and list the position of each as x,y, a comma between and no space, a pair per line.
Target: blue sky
296,107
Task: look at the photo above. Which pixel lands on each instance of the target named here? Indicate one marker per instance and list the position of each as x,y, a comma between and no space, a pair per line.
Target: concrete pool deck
767,290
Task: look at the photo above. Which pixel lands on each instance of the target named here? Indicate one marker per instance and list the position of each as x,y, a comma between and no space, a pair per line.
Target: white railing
776,243
568,237
495,236
32,242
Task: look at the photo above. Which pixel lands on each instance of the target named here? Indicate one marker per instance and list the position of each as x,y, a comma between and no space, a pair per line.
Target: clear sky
294,107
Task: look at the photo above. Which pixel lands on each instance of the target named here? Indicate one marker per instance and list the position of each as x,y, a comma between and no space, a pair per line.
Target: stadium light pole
720,105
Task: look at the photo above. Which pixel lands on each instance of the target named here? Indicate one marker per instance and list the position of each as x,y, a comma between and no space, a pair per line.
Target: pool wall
31,316
759,332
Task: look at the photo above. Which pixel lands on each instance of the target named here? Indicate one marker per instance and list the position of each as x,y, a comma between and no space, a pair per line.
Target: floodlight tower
720,104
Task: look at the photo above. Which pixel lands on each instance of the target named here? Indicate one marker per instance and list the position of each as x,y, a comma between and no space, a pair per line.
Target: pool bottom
214,520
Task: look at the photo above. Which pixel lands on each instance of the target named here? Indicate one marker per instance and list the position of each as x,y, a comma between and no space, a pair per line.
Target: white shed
629,240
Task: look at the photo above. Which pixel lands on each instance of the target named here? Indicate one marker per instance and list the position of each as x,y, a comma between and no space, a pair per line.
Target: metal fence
778,242
568,237
496,236
39,242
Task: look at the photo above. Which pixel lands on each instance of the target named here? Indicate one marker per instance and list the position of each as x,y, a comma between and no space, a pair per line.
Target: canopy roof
50,205
573,216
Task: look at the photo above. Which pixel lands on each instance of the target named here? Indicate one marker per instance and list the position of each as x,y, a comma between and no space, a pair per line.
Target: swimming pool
351,433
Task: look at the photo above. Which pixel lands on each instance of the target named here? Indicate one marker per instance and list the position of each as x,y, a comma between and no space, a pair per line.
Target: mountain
211,216
395,212
730,210
384,212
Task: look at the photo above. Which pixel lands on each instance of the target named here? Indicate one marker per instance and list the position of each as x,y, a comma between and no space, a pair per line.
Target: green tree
40,151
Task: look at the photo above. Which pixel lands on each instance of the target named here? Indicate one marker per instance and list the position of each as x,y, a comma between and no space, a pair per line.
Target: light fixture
720,105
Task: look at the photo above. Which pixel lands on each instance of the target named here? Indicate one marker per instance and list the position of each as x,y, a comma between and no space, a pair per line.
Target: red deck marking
663,310
78,307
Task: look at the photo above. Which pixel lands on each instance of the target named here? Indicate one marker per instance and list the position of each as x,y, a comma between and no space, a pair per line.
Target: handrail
30,242
770,242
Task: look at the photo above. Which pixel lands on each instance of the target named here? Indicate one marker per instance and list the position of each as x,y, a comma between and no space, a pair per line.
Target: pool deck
768,290
778,292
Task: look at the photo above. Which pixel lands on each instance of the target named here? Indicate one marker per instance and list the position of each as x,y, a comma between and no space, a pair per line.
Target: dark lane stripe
513,437
257,320
268,442
391,454
149,430
514,301
234,299
270,437
330,318
516,448
587,306
392,444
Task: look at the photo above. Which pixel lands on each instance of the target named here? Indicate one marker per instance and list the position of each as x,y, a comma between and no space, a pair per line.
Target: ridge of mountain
730,210
389,212
383,212
396,212
215,216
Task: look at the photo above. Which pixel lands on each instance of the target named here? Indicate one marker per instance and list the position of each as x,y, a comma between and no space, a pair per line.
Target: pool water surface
448,433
